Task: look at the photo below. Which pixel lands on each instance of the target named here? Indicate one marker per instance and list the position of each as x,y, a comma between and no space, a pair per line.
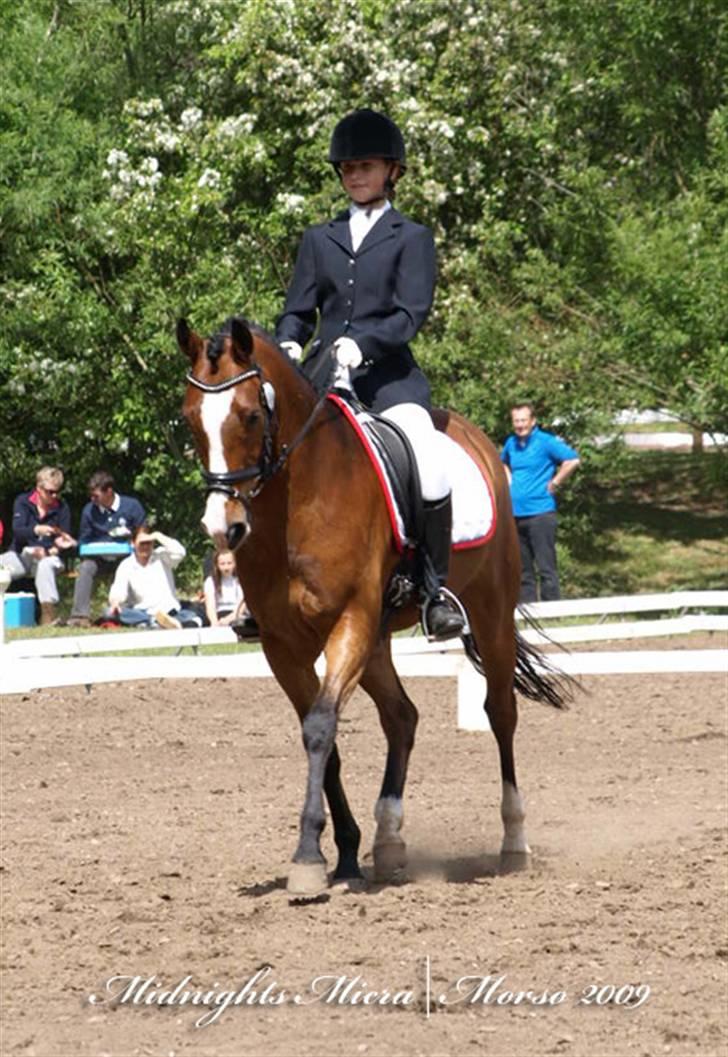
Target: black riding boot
443,621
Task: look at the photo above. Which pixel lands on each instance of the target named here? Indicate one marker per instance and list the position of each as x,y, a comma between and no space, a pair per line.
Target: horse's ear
189,342
242,339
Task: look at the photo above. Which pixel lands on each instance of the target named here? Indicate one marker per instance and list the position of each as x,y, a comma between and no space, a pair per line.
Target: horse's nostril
235,534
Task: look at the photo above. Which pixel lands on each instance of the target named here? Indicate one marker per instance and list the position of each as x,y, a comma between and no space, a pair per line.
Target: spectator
143,591
222,591
539,463
41,535
108,518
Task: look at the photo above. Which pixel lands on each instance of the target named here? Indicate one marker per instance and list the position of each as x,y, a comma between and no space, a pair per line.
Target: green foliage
162,158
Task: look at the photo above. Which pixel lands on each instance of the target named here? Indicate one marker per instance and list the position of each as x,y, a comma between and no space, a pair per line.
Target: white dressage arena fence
31,664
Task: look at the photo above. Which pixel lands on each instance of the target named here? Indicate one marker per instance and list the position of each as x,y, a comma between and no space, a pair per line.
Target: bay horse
293,493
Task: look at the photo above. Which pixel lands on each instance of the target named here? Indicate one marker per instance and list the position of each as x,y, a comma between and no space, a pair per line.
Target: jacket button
351,282
352,262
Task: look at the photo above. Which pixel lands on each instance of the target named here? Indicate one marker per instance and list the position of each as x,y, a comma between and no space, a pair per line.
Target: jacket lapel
338,231
385,228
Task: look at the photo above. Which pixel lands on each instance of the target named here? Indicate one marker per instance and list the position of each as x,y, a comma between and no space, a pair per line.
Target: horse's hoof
350,884
307,880
389,859
347,877
514,861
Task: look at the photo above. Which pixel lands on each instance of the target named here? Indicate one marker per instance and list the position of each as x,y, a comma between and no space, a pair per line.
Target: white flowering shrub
558,151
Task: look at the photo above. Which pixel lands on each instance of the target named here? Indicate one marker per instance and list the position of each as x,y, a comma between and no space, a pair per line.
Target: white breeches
430,448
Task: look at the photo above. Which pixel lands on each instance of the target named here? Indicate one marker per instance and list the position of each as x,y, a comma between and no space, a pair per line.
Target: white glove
293,350
348,353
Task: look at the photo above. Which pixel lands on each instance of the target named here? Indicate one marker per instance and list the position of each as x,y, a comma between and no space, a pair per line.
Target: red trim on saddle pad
387,491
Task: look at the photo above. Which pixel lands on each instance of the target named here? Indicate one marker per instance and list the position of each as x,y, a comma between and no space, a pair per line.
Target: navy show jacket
379,295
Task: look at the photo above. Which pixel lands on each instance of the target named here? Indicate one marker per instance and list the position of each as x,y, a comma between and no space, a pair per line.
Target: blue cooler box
20,610
110,549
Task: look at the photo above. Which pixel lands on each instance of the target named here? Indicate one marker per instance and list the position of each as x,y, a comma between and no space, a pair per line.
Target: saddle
394,460
395,452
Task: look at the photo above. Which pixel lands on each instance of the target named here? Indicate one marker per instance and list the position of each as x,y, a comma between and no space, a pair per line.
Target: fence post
5,579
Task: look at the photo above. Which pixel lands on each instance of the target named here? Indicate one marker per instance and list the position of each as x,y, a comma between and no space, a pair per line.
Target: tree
160,159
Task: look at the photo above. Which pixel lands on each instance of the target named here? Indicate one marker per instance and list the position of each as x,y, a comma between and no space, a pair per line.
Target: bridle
267,466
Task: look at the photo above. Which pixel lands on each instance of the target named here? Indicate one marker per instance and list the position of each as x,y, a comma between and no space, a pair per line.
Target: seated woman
222,591
143,591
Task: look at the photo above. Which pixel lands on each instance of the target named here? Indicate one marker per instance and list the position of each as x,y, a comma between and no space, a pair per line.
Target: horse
291,491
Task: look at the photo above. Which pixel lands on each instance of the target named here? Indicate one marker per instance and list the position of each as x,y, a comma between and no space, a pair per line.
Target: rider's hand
293,350
348,353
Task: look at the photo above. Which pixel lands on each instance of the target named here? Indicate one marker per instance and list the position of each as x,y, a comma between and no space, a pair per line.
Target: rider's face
364,179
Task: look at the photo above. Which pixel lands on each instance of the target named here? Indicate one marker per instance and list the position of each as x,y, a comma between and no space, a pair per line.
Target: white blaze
214,409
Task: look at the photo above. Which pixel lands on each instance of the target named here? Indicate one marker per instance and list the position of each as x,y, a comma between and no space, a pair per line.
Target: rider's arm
297,321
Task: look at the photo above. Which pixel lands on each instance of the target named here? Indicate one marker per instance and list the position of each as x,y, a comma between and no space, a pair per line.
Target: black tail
536,678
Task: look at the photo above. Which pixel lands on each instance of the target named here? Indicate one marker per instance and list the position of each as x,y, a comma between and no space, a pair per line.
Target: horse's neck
295,398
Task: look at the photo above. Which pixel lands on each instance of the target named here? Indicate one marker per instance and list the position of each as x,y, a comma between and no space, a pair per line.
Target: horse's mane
216,344
217,341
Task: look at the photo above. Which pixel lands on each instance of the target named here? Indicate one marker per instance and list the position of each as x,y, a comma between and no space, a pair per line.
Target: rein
266,467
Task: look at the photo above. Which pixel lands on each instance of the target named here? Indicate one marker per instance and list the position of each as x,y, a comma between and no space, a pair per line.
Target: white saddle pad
473,509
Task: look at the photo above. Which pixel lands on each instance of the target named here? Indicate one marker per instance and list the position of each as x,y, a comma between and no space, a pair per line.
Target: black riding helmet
366,134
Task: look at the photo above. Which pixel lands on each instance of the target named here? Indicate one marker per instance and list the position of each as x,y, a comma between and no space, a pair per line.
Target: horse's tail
536,677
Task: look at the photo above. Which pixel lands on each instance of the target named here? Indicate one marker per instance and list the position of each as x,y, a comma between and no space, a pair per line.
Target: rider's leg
427,444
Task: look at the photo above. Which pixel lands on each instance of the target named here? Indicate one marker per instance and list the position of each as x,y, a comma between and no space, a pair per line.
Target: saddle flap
398,459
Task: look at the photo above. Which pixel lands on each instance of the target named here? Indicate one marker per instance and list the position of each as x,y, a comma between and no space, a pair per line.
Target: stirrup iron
454,602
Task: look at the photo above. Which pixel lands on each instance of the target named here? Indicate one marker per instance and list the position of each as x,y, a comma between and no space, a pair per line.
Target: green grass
61,633
660,524
655,427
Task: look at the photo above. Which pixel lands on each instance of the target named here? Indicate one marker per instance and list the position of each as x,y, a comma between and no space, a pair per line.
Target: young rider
366,280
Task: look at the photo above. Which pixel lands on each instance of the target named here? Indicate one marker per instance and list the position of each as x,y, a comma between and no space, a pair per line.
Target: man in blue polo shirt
539,463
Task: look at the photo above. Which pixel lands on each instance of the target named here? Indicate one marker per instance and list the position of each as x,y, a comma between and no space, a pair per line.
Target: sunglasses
51,491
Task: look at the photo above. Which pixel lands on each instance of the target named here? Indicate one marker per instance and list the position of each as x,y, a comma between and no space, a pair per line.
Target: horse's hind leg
496,641
398,717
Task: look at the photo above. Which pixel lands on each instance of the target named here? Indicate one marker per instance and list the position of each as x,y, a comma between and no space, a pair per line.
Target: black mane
216,343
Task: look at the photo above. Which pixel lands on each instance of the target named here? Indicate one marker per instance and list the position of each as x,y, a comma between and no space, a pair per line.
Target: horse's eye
252,419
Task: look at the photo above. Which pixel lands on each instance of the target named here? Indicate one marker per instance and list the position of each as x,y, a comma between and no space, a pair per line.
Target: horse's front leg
301,684
346,651
347,834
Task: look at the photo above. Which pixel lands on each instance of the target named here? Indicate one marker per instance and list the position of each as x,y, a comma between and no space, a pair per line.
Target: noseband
266,466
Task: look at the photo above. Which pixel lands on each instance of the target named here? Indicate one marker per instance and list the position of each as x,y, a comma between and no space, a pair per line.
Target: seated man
107,518
143,591
41,535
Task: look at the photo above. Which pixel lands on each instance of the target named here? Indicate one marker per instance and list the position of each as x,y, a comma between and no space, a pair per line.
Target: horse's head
229,408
